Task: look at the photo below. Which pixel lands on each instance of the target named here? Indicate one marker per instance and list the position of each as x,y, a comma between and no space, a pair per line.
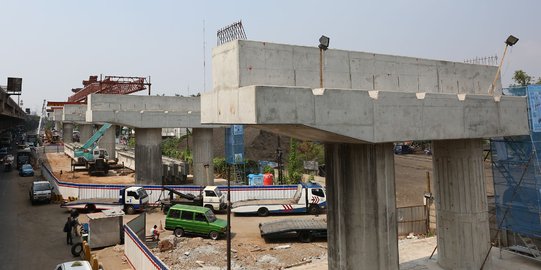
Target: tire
90,208
77,249
305,236
313,210
214,235
130,210
210,207
262,212
178,232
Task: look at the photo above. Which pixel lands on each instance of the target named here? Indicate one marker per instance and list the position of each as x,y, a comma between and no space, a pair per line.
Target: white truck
309,198
131,199
210,197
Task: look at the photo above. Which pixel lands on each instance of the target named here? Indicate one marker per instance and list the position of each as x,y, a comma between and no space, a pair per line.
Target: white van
41,191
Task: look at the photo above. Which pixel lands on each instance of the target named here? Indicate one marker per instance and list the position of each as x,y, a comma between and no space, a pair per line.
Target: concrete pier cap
367,102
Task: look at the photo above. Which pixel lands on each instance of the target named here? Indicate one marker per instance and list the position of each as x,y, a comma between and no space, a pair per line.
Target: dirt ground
61,166
250,251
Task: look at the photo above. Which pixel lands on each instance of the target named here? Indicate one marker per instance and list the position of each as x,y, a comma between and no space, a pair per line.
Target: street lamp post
323,46
510,41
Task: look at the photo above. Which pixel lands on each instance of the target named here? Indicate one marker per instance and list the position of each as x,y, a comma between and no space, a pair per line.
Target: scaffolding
517,180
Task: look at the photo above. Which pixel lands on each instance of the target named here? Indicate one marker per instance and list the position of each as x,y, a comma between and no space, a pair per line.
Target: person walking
67,229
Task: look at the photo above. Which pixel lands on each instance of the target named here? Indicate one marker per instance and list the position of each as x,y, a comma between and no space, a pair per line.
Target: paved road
31,237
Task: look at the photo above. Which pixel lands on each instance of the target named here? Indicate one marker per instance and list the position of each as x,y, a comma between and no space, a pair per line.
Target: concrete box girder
341,115
75,113
145,111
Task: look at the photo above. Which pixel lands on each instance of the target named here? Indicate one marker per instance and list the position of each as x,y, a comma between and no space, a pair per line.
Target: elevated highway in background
10,112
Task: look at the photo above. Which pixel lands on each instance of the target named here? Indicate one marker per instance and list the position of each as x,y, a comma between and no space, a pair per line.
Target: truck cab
133,199
213,198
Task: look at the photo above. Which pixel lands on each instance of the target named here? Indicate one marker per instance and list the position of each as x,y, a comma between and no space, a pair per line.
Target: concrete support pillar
461,203
85,132
107,141
361,221
202,156
57,126
148,156
67,132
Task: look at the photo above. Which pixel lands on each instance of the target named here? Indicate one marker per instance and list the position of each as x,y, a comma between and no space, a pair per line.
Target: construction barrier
87,191
137,253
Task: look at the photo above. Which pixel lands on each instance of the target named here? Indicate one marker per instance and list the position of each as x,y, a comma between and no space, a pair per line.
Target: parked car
200,220
26,170
41,191
74,265
402,149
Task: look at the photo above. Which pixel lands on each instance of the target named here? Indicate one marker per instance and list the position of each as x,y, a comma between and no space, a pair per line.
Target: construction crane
118,85
42,117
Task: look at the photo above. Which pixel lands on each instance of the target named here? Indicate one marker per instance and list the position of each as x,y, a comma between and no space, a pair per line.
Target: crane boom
96,136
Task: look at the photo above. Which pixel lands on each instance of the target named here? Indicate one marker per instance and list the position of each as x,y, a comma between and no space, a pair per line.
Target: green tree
294,165
538,80
312,151
522,78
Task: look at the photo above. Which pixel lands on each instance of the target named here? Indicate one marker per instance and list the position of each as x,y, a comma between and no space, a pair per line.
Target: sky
56,44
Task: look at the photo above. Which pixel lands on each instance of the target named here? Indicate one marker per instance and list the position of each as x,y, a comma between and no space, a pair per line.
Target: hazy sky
55,44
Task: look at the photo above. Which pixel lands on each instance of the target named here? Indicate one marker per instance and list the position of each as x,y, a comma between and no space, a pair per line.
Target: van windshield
210,216
41,186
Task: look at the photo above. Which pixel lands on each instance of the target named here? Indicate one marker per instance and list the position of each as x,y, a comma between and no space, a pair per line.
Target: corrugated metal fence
86,191
138,254
412,219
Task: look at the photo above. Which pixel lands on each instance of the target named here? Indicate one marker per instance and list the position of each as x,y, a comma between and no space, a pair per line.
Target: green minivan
194,219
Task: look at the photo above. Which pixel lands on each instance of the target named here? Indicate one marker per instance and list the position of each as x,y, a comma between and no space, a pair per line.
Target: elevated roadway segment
11,114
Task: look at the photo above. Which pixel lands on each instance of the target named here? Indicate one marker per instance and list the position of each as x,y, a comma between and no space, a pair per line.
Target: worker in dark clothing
67,229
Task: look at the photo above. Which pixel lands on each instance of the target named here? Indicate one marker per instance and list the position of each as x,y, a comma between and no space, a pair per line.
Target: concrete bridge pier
362,210
107,141
148,156
461,203
202,157
85,132
67,132
58,125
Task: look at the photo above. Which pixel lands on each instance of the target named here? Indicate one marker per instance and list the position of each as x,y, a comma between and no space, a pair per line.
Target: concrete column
203,155
107,141
461,203
67,132
361,219
85,132
148,156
